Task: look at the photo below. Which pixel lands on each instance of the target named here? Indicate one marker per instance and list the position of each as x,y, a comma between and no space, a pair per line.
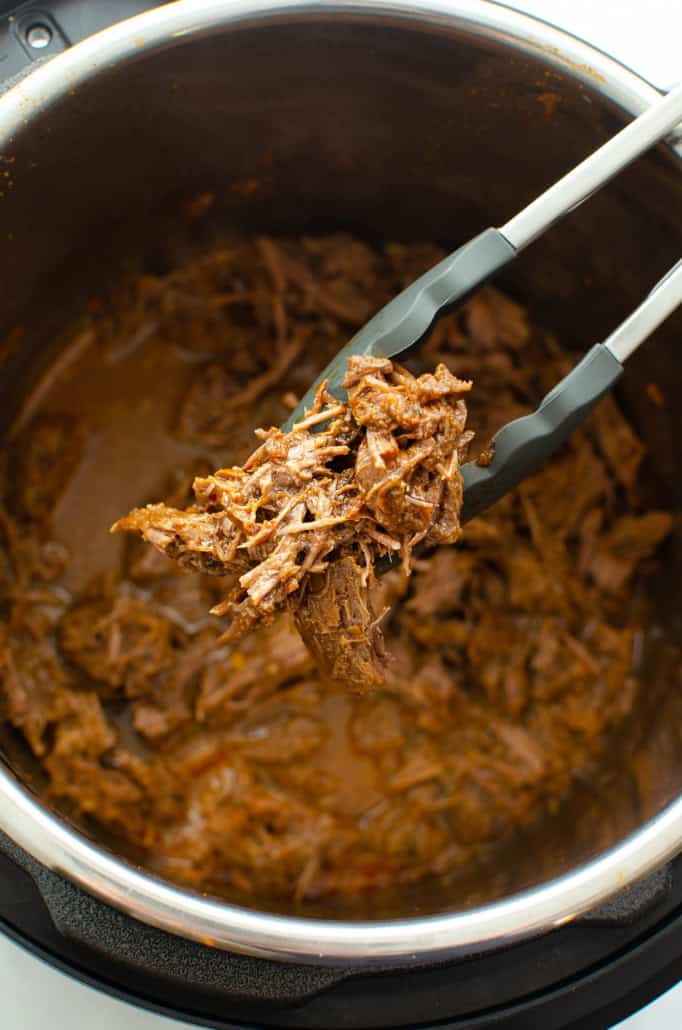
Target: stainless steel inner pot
421,120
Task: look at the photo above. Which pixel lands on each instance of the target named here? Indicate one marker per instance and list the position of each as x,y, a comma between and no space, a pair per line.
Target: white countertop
647,36
644,34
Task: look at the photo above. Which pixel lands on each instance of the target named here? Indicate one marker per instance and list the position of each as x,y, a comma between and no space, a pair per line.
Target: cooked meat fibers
339,626
303,520
231,767
45,459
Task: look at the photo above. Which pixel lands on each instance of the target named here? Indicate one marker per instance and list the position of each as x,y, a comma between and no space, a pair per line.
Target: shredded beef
339,626
31,675
231,765
264,662
118,641
46,456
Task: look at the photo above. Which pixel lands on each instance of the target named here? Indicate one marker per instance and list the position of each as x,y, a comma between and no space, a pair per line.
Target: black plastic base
67,21
614,989
587,975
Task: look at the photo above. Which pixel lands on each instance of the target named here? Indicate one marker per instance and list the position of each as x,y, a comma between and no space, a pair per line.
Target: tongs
521,446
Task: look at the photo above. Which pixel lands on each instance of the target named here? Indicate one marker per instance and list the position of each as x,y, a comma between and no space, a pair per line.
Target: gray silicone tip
522,446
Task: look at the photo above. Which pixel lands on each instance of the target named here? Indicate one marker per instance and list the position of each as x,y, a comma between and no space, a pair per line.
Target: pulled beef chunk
619,444
339,627
490,340
287,515
215,404
198,540
46,456
187,308
167,703
251,835
148,563
118,641
26,557
257,307
82,766
265,660
628,543
344,278
30,675
407,464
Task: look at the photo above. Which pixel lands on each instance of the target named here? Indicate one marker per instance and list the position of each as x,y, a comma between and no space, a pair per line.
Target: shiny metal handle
654,309
653,125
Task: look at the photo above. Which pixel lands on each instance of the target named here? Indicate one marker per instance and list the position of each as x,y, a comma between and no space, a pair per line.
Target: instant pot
429,119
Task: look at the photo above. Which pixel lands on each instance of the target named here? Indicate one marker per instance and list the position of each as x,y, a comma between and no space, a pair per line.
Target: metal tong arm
654,309
522,446
406,319
591,174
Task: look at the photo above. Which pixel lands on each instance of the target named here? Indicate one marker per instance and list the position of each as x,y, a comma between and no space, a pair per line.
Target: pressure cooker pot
392,121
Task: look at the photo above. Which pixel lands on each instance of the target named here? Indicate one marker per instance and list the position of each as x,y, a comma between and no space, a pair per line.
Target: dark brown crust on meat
338,625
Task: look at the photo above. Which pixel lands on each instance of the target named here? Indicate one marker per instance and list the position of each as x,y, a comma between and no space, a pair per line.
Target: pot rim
213,922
